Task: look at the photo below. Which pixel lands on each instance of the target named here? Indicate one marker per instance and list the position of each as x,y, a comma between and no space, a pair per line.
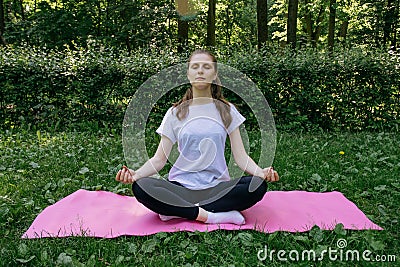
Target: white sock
165,218
232,216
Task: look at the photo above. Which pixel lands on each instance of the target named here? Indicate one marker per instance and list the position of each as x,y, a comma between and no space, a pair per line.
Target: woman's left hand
270,174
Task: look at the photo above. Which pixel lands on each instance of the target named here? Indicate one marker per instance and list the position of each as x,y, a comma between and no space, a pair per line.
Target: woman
199,186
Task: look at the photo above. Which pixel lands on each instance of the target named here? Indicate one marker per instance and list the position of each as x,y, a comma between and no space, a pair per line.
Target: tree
183,34
262,22
331,27
344,28
313,29
210,40
183,25
396,24
2,23
389,21
292,22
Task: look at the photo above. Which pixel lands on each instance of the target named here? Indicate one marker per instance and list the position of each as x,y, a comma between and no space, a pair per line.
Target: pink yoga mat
108,215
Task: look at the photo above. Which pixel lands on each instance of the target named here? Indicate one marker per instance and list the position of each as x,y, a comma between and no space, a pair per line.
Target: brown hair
222,105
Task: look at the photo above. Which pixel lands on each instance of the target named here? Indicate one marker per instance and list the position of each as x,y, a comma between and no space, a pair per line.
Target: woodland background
329,64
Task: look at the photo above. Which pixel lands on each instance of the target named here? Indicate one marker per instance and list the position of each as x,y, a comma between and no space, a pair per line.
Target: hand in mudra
270,174
125,175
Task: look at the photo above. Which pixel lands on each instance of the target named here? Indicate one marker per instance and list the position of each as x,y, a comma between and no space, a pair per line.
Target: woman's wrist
260,173
136,176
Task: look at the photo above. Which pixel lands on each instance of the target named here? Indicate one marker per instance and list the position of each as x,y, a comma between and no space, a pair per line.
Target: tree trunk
98,19
331,29
183,34
343,29
2,23
313,33
183,25
228,26
389,19
396,24
309,28
318,29
379,22
262,22
21,5
292,23
210,40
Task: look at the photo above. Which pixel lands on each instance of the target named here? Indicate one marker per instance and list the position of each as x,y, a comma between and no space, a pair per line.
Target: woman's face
201,71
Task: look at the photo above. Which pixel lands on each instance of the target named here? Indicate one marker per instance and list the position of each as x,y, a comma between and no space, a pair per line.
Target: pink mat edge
209,228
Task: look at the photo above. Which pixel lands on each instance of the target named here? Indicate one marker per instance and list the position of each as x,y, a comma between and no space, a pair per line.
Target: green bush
346,89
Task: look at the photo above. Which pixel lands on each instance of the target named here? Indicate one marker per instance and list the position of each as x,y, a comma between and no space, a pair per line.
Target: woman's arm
246,163
152,166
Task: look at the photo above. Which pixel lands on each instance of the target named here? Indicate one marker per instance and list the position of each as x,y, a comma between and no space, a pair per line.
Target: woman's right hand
125,175
270,175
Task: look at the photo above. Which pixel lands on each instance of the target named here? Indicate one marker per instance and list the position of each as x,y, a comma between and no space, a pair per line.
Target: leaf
70,251
184,243
339,229
26,260
39,136
320,249
119,259
92,261
149,246
132,248
324,188
377,245
246,239
380,187
397,185
383,159
64,259
84,170
301,238
44,256
22,249
316,177
317,234
161,235
381,209
34,165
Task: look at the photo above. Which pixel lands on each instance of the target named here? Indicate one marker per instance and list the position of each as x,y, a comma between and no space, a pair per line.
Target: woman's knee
138,192
139,188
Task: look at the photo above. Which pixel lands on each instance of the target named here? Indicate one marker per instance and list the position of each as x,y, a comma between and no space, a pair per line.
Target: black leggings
172,199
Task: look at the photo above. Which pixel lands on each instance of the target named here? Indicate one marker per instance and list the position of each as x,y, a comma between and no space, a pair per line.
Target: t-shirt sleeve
237,119
166,128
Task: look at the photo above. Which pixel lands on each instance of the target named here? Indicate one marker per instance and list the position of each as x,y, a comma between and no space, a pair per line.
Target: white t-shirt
201,140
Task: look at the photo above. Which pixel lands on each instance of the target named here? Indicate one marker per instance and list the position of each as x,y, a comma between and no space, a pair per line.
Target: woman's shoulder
171,111
233,107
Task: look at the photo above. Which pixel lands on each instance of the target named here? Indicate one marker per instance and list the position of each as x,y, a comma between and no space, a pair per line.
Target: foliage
346,89
78,23
143,23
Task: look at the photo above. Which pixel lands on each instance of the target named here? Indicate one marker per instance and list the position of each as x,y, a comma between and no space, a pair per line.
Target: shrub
346,89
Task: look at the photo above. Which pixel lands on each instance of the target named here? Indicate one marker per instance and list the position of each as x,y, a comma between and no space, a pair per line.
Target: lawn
39,168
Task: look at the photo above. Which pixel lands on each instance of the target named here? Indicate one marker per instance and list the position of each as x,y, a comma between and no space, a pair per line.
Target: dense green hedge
347,89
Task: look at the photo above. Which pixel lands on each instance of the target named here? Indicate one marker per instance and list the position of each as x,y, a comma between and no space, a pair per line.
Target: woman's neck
201,100
202,93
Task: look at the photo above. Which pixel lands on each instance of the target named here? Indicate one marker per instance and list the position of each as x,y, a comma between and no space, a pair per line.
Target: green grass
38,169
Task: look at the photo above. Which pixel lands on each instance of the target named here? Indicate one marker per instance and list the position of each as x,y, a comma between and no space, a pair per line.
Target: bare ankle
202,216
